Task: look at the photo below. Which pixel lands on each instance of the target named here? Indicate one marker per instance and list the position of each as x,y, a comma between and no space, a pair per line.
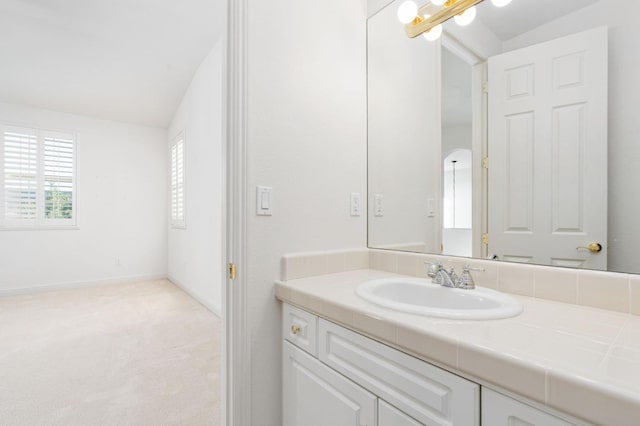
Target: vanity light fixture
466,17
424,20
434,33
407,12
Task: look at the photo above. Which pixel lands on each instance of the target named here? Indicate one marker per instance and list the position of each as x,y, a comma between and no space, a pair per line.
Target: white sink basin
422,297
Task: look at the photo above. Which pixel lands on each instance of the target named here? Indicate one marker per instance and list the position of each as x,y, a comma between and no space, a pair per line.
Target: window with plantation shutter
58,176
177,183
37,178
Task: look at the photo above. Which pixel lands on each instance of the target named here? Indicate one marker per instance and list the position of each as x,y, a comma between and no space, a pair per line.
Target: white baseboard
41,288
198,297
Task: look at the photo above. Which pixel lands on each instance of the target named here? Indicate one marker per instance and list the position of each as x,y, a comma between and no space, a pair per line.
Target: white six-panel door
547,139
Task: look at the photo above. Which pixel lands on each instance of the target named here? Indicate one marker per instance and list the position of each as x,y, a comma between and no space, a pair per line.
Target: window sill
40,228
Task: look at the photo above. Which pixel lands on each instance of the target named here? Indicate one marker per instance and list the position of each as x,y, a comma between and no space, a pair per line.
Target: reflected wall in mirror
541,93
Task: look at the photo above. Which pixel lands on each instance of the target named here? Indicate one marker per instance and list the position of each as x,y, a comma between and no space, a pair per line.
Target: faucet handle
433,269
433,272
466,280
468,268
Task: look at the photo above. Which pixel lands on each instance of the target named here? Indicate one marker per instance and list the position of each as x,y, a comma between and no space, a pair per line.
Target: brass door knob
295,329
593,248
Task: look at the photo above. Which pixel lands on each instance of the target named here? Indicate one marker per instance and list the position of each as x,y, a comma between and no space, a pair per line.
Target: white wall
456,137
307,139
195,253
121,207
404,134
624,151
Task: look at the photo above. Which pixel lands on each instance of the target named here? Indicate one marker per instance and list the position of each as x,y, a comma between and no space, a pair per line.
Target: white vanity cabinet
333,377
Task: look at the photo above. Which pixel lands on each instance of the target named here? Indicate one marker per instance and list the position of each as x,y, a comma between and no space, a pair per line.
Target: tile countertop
579,360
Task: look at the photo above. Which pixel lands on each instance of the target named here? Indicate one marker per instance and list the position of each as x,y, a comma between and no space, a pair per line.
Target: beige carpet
125,354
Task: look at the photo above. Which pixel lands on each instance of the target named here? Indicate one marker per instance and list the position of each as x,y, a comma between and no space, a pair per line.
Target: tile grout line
628,294
546,386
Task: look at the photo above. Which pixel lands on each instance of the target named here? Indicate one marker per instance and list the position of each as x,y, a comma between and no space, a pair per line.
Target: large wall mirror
513,138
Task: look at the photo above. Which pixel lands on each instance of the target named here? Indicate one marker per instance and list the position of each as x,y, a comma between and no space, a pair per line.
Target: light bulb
438,2
500,3
407,12
434,33
466,17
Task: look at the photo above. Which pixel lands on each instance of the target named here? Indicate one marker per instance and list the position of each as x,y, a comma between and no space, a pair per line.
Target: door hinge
232,271
485,87
485,163
485,239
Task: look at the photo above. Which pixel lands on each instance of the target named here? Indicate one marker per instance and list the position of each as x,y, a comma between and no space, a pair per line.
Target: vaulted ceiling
125,60
521,16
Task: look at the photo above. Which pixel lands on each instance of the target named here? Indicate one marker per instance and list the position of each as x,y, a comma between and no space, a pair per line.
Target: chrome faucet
439,275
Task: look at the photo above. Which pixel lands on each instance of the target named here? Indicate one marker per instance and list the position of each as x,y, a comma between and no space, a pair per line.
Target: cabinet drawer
500,410
300,328
427,393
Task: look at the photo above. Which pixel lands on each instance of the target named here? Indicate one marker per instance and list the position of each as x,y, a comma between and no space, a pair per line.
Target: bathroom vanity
348,362
334,376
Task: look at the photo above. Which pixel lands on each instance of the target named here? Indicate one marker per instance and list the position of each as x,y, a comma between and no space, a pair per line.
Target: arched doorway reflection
457,203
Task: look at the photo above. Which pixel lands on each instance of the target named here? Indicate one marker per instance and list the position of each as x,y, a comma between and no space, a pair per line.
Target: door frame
479,143
235,363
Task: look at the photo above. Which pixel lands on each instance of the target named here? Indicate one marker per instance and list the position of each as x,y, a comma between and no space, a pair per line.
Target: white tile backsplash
634,294
309,264
356,259
516,279
604,290
557,284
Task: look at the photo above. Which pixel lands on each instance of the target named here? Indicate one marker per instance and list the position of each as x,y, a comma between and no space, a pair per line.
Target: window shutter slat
20,180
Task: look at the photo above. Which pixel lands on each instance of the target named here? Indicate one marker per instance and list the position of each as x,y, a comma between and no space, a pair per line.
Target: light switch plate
377,205
264,201
355,204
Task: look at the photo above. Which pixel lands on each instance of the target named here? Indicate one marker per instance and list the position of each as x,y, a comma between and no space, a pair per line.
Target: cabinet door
500,410
429,394
391,416
315,395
